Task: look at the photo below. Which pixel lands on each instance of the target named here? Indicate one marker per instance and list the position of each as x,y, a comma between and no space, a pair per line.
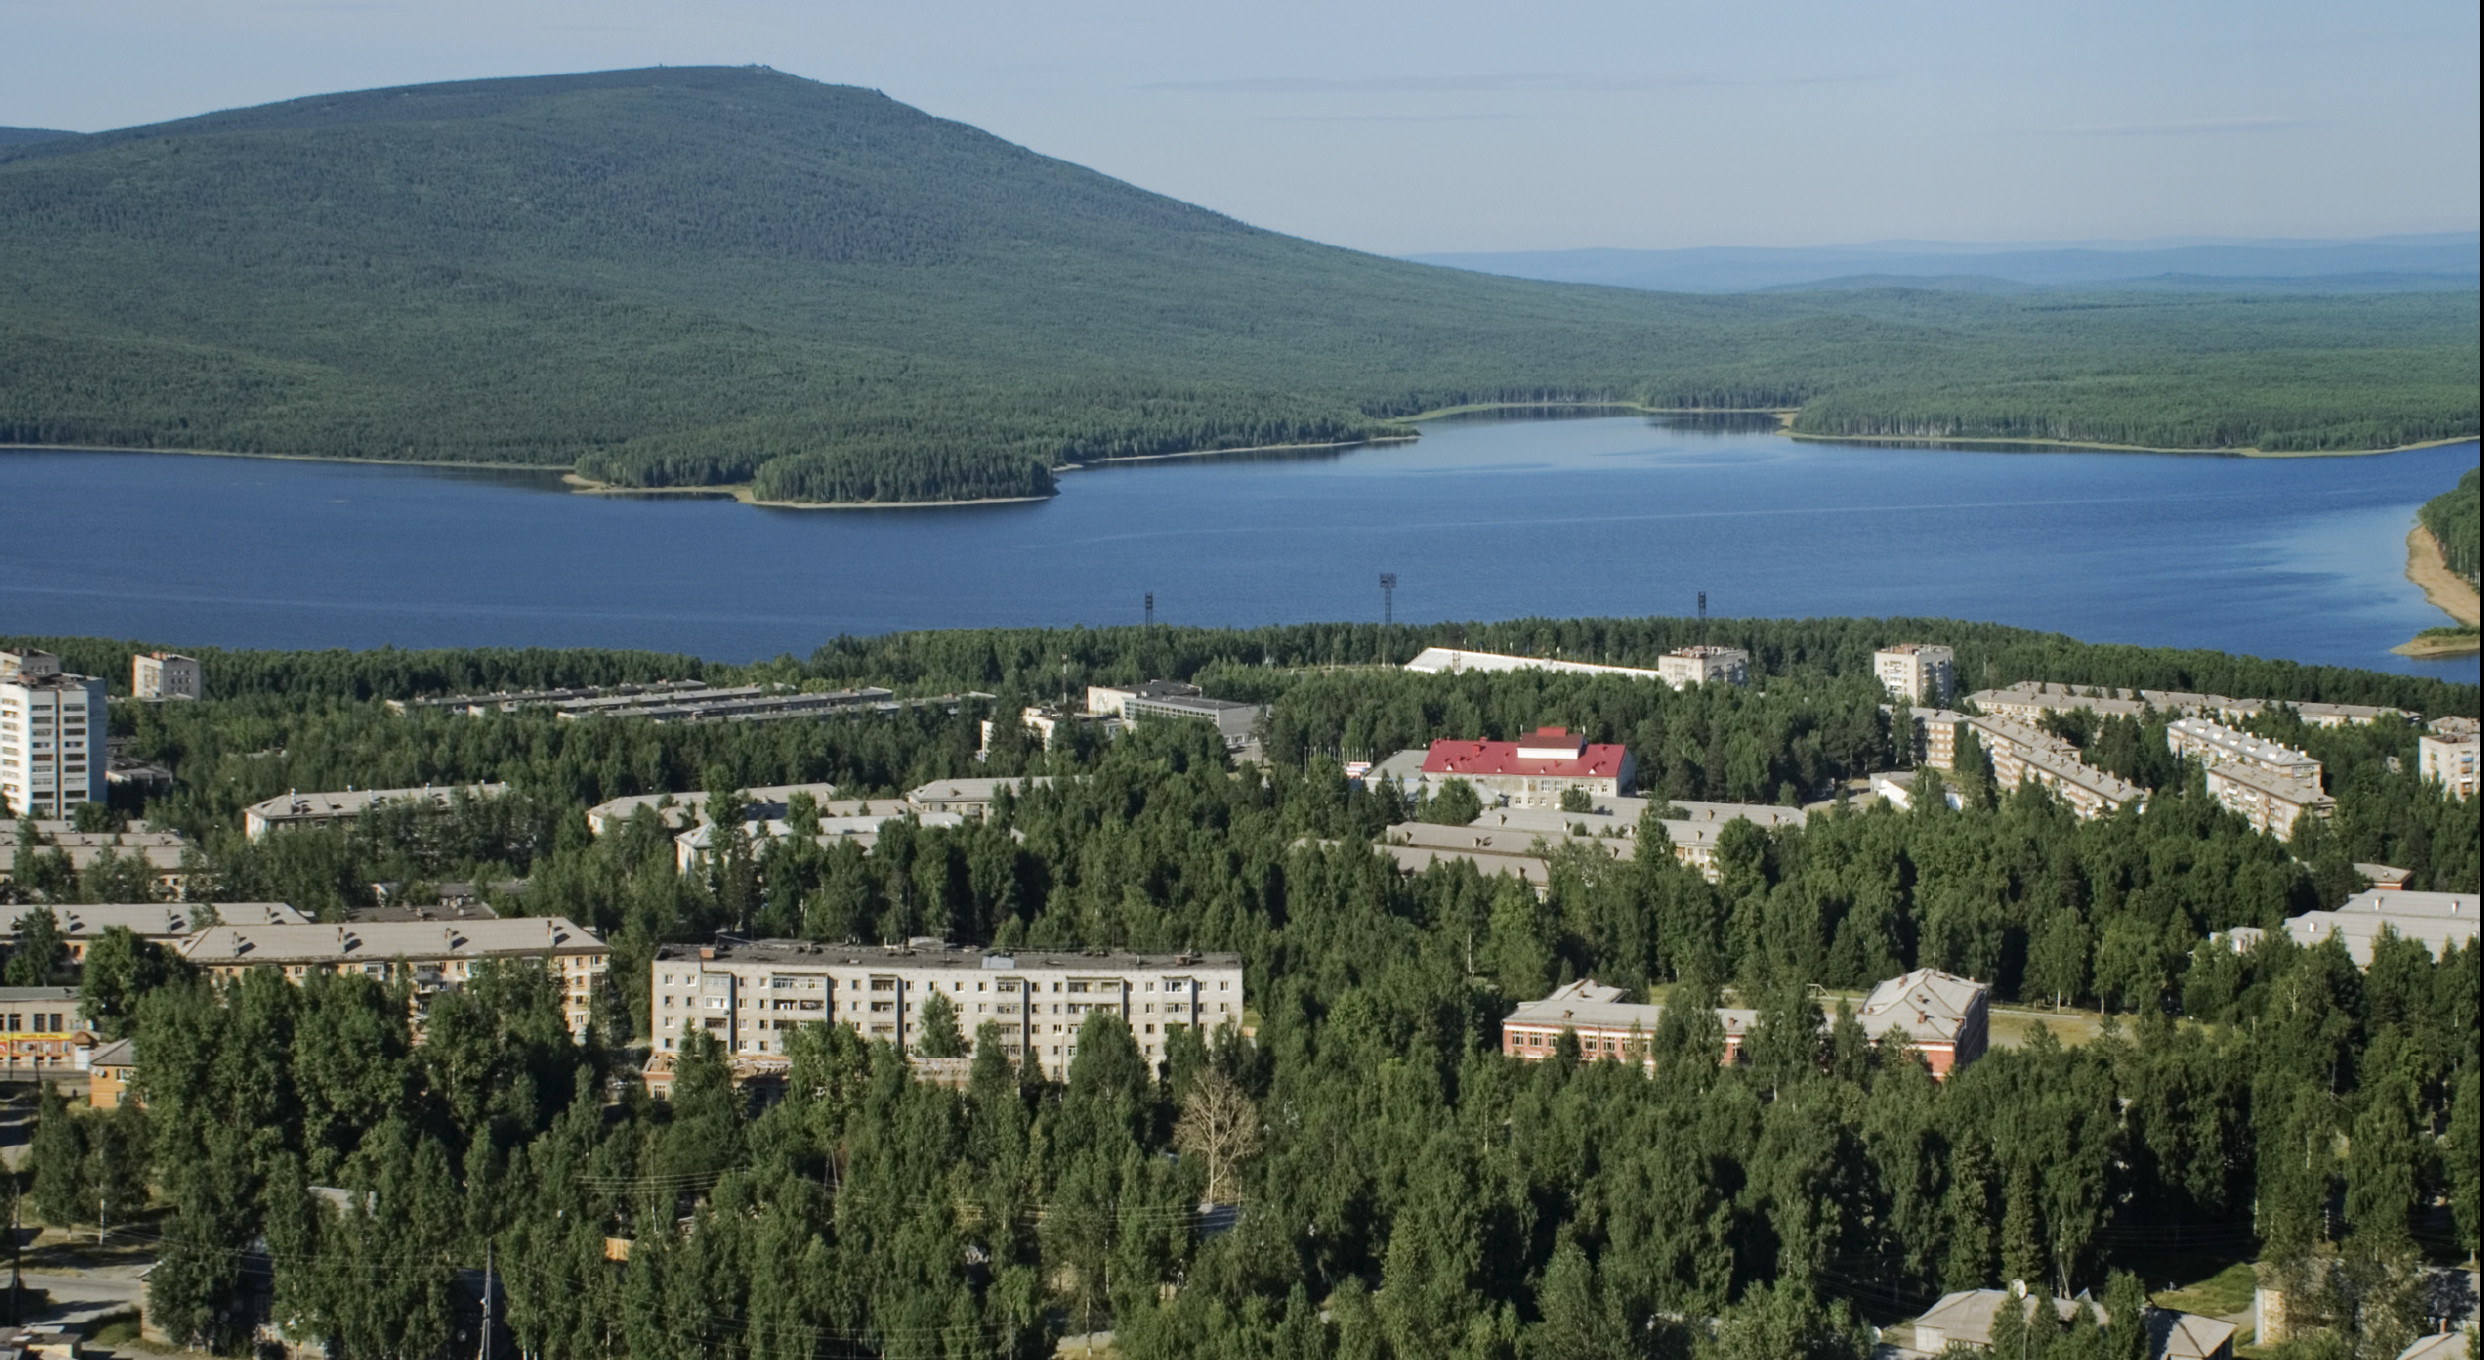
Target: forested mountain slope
686,276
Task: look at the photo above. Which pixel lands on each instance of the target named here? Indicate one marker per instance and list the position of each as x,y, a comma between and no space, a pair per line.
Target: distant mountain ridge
695,276
2438,261
17,136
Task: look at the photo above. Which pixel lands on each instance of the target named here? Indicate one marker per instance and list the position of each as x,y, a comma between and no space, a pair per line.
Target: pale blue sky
1454,125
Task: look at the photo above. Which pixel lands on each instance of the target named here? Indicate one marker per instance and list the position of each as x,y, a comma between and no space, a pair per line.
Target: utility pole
16,1272
487,1298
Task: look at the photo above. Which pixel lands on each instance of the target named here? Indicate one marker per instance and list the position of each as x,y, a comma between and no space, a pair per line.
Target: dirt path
2443,587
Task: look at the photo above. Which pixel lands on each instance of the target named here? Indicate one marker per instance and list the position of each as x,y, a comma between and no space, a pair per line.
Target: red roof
1502,758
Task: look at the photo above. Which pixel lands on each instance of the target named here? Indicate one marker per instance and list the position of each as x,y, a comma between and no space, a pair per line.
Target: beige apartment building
433,956
2213,743
1917,672
297,810
165,675
2448,759
751,997
2272,802
2020,752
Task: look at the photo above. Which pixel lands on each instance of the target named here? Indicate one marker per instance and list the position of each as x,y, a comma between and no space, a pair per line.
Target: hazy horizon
1462,127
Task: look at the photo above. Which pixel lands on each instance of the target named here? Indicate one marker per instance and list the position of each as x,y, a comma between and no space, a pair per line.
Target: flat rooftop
960,958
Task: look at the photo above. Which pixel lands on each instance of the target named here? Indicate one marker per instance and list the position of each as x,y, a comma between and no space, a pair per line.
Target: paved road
85,1295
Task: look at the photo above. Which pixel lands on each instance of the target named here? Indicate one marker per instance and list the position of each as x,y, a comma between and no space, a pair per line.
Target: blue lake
1480,519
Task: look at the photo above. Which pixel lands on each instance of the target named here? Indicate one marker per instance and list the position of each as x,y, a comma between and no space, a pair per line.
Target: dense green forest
1406,1191
694,276
2451,518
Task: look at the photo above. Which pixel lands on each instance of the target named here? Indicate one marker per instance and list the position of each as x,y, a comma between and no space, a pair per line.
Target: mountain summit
705,275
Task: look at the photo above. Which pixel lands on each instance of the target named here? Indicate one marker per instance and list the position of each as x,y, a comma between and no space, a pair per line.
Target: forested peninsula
704,276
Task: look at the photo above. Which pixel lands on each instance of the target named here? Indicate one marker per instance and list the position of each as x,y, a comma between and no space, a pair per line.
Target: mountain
706,275
2388,263
10,136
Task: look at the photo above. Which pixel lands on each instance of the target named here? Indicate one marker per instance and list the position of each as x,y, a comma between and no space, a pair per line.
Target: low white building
682,810
858,821
971,797
1704,665
2436,920
1452,661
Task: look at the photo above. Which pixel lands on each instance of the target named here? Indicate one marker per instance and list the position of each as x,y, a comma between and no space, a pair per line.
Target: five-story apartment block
752,997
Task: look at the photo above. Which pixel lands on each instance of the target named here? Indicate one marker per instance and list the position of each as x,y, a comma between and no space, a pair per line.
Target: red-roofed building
1535,770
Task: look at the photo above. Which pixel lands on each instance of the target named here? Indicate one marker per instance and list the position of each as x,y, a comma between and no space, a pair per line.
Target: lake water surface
1480,519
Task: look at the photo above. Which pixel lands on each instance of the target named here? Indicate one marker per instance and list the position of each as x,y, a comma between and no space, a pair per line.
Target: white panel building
52,728
1917,672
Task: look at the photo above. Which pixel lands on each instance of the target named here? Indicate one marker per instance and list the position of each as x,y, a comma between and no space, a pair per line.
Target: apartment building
2213,743
1704,665
2272,802
163,923
297,810
2020,752
2448,760
1917,672
165,675
52,729
433,956
751,997
1535,770
1944,1017
2029,700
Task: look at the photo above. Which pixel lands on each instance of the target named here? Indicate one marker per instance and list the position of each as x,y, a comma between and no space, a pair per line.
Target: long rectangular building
1535,770
2437,920
751,997
163,923
2272,802
297,810
2029,700
431,955
680,811
1944,1017
2213,743
1451,661
2022,752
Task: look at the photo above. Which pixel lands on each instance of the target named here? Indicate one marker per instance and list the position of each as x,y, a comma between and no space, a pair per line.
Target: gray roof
355,802
932,954
151,918
519,936
1927,1004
